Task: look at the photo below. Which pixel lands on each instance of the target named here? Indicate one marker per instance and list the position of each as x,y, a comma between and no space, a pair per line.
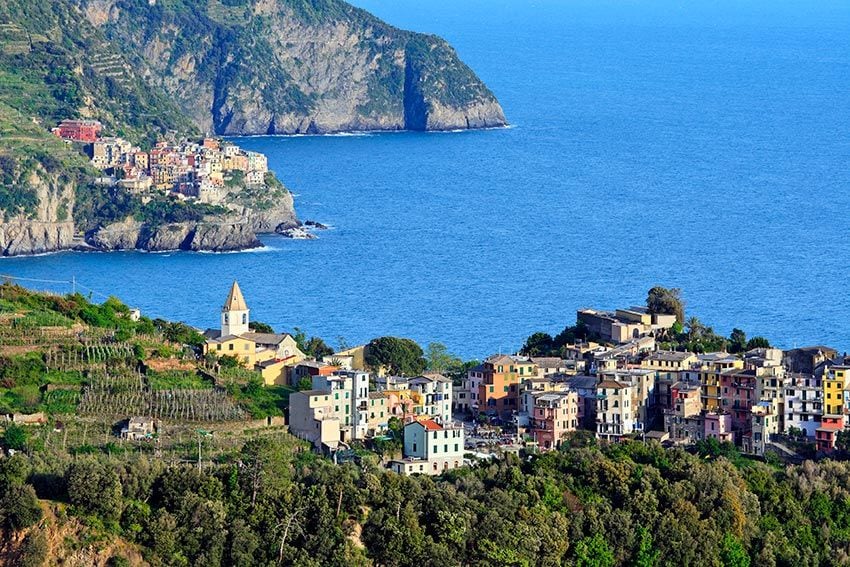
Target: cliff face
210,236
291,66
42,220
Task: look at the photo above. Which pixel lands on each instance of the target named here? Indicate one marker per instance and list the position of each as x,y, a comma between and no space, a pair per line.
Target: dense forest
274,503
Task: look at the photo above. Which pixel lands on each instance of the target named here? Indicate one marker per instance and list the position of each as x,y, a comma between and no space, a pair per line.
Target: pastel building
349,391
553,415
498,393
313,417
430,448
803,403
718,425
434,397
614,415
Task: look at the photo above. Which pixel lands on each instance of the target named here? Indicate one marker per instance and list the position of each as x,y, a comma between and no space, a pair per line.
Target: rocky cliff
38,210
154,69
213,236
295,66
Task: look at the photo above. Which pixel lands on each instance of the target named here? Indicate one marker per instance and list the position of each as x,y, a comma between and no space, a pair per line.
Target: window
230,346
217,347
414,446
244,318
226,318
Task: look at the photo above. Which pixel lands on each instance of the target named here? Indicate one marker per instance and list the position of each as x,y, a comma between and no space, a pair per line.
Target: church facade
270,353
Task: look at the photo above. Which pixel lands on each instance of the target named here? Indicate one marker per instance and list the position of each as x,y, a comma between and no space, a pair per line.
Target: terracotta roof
611,384
235,301
430,425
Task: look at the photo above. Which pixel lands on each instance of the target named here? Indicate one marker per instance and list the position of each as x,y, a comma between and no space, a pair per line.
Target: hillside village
188,170
104,410
618,386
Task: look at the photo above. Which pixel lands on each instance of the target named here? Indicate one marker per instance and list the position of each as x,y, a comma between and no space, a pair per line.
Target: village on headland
186,170
613,376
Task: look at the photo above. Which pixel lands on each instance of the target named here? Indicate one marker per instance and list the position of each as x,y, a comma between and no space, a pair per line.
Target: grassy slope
26,367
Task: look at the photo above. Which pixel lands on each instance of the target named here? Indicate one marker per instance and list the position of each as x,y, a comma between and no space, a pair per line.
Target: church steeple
234,313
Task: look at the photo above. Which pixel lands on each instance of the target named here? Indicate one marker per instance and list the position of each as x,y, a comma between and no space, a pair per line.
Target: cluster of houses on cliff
188,170
620,387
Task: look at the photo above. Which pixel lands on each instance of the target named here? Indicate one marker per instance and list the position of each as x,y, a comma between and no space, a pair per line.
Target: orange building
500,386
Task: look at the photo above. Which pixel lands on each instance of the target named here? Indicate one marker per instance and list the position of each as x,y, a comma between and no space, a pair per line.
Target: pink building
718,425
554,415
79,130
738,394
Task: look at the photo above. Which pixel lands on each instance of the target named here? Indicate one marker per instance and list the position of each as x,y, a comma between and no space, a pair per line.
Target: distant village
187,170
619,387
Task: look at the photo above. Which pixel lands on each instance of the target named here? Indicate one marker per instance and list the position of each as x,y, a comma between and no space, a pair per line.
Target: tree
733,553
15,437
313,347
842,439
737,341
538,344
259,327
664,301
594,552
438,358
317,348
20,507
646,555
395,355
94,488
305,384
758,342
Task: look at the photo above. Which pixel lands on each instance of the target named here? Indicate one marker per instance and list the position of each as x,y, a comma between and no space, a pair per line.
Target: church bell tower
234,313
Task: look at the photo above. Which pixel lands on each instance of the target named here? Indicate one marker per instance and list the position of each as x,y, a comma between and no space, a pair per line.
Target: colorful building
499,390
430,448
553,415
78,130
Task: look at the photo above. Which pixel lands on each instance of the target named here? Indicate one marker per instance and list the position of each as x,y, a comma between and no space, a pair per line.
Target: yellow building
835,382
710,379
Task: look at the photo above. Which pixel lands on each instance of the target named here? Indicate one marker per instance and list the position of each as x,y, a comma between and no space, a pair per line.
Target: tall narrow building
234,313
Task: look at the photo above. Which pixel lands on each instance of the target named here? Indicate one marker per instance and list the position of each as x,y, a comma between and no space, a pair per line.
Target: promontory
149,70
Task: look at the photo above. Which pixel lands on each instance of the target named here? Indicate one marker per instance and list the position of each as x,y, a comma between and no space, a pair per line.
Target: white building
430,448
465,398
614,415
435,396
803,403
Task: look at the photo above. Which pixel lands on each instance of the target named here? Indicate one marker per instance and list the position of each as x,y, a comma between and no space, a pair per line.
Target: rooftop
670,356
235,301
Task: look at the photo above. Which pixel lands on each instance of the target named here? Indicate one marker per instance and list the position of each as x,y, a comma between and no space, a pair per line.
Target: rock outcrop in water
203,236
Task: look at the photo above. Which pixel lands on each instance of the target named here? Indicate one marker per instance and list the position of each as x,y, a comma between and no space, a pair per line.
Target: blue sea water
701,145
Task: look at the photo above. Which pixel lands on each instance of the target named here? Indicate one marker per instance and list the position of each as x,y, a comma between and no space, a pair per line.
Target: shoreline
365,133
80,246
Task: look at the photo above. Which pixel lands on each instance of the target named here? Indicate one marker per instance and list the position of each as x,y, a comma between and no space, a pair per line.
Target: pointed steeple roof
235,301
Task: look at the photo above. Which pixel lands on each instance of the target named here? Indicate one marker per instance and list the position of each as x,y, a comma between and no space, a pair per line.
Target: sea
690,144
